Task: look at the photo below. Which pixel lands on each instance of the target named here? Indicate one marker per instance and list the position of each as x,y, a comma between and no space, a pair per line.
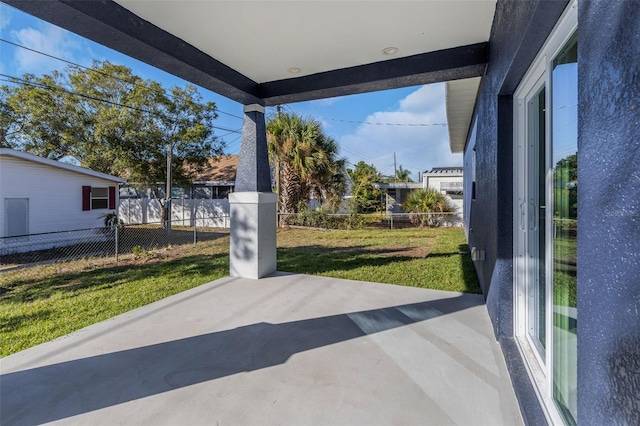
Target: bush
321,218
427,207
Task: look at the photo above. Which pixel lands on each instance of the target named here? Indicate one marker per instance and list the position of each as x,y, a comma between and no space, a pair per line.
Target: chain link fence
321,219
112,241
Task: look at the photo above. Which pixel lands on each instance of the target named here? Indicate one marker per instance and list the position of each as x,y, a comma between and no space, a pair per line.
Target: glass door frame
538,76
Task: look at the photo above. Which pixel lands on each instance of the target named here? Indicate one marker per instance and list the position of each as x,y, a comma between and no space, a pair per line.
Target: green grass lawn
44,302
427,258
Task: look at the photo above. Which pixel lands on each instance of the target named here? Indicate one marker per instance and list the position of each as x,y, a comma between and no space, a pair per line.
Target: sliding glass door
545,225
535,226
564,142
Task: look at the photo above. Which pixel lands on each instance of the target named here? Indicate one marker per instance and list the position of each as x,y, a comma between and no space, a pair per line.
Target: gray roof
7,152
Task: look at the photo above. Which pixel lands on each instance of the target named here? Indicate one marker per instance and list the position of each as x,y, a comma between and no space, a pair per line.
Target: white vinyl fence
184,212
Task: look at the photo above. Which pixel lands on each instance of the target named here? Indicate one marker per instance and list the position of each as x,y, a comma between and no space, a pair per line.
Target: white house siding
54,205
210,213
55,195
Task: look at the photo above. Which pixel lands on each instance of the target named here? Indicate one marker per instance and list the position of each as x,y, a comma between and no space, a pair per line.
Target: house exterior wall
609,213
469,181
519,30
518,33
55,195
609,205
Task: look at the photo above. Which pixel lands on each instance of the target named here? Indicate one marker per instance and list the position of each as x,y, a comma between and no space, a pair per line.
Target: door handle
533,217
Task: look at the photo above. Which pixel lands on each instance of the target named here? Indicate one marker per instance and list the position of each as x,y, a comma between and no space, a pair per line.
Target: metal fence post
117,238
195,238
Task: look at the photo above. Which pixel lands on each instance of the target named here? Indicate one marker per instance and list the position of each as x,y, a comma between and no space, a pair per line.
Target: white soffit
267,40
461,99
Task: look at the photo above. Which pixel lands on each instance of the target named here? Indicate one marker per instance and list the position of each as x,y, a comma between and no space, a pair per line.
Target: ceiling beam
111,25
433,67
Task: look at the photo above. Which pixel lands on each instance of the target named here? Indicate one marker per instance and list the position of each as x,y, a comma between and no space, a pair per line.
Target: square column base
252,252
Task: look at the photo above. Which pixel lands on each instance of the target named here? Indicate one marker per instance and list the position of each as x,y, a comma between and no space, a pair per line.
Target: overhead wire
97,71
17,80
386,124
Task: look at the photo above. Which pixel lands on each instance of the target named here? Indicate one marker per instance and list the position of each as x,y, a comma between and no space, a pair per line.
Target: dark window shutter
86,198
112,198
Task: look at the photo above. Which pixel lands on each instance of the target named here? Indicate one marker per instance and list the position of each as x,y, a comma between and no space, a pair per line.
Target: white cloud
50,40
417,148
5,17
327,101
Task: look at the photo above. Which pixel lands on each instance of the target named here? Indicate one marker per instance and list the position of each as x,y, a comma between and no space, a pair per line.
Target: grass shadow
28,290
327,259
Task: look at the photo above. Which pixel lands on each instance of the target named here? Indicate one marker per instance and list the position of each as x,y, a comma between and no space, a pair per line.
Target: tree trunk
290,190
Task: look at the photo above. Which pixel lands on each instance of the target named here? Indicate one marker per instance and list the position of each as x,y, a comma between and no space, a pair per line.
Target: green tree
565,187
111,121
427,200
364,178
305,161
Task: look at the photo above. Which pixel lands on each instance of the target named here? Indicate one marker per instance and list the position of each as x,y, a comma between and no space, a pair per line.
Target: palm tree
304,158
427,200
403,175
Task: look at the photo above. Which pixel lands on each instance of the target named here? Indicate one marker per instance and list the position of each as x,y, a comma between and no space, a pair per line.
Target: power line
387,124
232,131
98,71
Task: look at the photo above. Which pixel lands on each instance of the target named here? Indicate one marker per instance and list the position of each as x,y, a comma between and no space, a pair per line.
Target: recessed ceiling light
294,70
389,51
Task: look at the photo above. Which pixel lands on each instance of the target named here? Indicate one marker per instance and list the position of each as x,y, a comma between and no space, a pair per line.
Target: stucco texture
609,213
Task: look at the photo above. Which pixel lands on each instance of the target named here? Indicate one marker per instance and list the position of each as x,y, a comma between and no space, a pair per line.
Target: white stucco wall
436,182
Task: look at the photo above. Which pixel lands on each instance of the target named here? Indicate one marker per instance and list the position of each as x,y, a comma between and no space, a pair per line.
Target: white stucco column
253,234
252,252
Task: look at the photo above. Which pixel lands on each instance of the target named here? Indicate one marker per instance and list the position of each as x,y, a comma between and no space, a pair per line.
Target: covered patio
286,349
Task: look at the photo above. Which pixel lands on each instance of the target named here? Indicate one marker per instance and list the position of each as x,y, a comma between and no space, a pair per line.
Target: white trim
253,108
252,198
60,165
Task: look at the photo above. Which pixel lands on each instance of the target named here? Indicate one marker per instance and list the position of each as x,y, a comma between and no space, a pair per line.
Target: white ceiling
263,39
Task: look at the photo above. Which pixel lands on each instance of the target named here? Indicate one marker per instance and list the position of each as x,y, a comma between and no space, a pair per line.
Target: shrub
321,218
427,207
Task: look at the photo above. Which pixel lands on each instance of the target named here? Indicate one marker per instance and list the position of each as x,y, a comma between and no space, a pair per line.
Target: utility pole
167,192
395,170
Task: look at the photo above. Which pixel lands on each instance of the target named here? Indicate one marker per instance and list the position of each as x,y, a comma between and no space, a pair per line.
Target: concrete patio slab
288,349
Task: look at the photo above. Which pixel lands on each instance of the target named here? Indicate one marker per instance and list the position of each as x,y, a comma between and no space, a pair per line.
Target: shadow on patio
176,361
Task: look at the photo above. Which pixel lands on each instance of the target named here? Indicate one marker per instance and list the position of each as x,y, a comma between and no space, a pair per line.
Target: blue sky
408,121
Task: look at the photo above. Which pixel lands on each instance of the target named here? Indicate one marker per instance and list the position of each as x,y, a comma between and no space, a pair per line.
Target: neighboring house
395,193
204,203
449,181
446,180
39,196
